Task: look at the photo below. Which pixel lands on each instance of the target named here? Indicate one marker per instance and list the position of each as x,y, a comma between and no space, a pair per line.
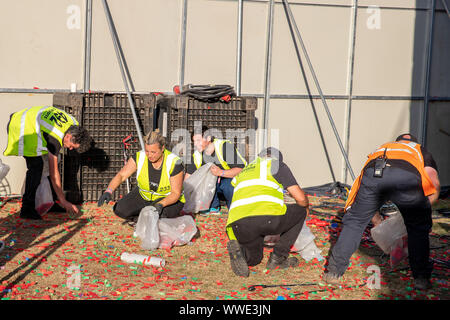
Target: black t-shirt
229,155
154,175
282,173
53,145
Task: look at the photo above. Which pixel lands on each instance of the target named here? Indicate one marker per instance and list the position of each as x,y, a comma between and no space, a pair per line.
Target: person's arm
127,170
231,173
176,186
55,178
299,196
433,174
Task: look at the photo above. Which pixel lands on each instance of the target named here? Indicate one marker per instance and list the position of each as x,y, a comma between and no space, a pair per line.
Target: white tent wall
44,47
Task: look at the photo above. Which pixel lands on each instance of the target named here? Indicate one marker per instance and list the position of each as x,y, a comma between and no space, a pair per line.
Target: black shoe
282,262
29,213
422,284
237,260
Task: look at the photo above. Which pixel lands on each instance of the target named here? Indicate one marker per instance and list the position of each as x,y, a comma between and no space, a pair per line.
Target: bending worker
159,175
35,132
405,173
258,210
227,164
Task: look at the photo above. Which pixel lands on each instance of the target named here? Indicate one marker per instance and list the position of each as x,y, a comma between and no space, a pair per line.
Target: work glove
158,206
106,197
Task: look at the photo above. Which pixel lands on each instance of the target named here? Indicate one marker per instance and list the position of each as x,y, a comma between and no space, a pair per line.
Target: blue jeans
226,189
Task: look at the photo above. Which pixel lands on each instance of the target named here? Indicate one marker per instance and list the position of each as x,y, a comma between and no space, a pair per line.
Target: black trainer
29,213
282,262
237,260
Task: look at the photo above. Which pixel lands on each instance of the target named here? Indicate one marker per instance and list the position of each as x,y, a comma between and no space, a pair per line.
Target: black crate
233,119
108,118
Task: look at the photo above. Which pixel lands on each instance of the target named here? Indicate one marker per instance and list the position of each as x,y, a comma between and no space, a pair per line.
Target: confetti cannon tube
142,259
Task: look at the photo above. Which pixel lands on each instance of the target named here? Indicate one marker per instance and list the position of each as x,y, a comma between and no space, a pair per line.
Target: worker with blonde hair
159,175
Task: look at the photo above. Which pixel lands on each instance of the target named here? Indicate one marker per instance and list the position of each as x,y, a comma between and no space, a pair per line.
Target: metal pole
183,43
351,63
267,75
320,90
124,79
239,49
427,74
87,47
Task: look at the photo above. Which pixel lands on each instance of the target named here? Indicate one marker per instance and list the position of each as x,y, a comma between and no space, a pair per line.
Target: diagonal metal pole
319,89
122,71
313,107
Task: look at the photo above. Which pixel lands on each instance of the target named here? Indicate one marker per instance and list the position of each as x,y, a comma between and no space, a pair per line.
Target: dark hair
272,152
80,136
403,137
204,129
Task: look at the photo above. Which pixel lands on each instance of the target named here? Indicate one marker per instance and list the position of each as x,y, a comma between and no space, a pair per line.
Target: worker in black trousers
405,173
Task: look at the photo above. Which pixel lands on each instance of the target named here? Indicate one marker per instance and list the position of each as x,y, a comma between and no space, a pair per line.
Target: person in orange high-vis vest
405,173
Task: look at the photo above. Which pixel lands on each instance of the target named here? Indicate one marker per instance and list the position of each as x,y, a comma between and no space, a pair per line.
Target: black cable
253,287
208,93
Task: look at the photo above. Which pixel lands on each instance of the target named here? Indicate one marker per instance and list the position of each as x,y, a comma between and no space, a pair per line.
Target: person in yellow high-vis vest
228,162
405,173
258,209
159,175
36,132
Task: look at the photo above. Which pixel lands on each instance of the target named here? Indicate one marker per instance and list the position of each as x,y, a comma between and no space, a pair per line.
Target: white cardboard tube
142,259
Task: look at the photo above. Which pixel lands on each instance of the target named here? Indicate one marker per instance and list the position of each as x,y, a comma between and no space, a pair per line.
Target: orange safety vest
409,152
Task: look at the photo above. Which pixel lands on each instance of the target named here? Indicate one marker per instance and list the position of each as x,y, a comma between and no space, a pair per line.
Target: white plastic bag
304,244
199,189
304,238
389,231
4,169
176,231
147,228
44,198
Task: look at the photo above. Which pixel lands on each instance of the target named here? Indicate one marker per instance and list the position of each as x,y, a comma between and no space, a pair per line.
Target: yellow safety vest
256,193
143,181
26,128
218,149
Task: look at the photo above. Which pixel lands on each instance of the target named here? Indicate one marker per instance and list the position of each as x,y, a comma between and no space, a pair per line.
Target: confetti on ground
78,258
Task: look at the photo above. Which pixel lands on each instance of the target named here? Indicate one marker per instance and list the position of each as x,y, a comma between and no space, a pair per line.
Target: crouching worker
258,209
159,175
35,132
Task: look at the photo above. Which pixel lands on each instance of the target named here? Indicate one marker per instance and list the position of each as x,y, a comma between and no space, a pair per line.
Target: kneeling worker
227,160
159,177
35,132
258,209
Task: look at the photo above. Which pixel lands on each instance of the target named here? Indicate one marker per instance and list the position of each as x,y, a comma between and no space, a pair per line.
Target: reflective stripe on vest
409,152
164,187
256,192
26,128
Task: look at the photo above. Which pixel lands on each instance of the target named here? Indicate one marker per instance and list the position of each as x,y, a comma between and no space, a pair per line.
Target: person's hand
106,197
215,170
158,206
70,207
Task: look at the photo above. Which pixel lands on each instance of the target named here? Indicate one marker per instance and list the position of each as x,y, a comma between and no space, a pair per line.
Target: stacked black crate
234,120
108,118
